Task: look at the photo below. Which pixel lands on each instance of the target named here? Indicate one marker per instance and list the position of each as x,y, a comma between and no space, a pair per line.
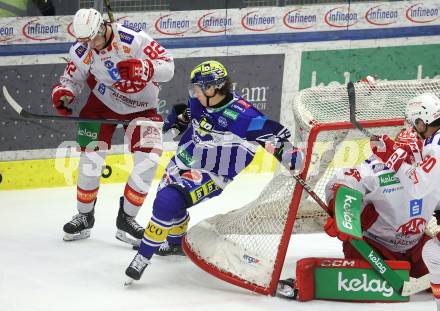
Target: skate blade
122,236
77,236
128,282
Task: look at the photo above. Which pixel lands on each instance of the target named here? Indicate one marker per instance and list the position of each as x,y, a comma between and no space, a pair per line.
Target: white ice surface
38,271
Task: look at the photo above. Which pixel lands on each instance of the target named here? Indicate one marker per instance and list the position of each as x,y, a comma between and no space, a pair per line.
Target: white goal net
247,246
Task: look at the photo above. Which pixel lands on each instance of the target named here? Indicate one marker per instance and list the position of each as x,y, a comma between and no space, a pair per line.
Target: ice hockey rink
39,271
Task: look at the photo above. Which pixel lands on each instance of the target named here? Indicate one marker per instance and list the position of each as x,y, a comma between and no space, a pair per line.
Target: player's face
97,42
420,127
196,91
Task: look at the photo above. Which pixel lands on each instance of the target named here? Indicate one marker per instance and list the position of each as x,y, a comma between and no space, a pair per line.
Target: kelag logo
340,18
380,16
214,24
421,13
169,25
41,32
296,19
254,22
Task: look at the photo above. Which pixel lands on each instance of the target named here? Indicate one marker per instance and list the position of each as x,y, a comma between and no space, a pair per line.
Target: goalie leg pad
346,280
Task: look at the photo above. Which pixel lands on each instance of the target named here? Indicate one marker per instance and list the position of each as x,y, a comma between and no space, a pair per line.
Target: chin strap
209,97
107,42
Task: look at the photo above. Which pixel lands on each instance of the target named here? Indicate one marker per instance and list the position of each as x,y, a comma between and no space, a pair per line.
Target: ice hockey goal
247,246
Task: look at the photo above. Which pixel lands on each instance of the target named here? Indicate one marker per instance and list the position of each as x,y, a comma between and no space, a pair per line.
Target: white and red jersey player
122,67
99,70
393,219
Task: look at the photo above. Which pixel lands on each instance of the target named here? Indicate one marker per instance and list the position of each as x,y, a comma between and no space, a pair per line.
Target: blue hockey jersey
224,140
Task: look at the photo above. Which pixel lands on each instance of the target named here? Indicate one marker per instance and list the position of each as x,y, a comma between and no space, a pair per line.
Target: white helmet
86,23
425,107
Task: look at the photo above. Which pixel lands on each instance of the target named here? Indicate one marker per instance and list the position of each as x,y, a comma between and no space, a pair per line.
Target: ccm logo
337,263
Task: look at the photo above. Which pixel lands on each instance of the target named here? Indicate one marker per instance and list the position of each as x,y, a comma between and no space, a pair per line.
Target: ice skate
129,231
79,227
136,268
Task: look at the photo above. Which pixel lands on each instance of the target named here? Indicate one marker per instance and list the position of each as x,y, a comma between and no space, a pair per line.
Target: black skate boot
286,288
127,224
136,268
79,227
167,249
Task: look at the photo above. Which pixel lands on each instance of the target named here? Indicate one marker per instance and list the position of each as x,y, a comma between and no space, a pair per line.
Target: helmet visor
197,89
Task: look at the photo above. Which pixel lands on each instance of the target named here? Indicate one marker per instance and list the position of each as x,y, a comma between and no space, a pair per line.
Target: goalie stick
29,115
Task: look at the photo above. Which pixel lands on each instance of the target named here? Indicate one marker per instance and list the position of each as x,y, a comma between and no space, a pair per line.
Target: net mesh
232,242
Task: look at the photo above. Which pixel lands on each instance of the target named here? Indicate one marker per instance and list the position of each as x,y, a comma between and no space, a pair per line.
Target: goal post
247,246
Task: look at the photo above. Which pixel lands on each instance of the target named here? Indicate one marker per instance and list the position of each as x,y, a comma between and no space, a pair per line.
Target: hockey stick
29,115
109,11
352,105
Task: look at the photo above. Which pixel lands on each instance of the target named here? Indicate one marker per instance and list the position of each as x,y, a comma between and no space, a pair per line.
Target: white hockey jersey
403,211
98,68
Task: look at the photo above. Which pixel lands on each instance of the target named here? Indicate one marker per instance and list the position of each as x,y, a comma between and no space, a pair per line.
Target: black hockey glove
179,119
437,216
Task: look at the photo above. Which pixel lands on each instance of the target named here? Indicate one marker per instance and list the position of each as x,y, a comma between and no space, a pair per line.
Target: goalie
400,196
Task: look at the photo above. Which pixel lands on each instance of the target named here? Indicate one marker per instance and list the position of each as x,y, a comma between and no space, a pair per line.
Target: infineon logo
6,33
254,22
339,17
379,15
172,26
422,13
297,19
41,32
214,24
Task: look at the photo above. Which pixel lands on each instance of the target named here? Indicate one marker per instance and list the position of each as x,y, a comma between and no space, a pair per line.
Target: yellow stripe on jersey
181,229
155,232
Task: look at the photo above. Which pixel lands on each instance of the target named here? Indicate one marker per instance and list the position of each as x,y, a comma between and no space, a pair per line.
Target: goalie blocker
343,280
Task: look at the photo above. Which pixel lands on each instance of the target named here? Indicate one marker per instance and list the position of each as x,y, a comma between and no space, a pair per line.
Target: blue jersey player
221,133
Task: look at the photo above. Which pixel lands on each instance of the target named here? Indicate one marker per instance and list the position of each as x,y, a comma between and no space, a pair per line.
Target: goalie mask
86,24
206,75
425,107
